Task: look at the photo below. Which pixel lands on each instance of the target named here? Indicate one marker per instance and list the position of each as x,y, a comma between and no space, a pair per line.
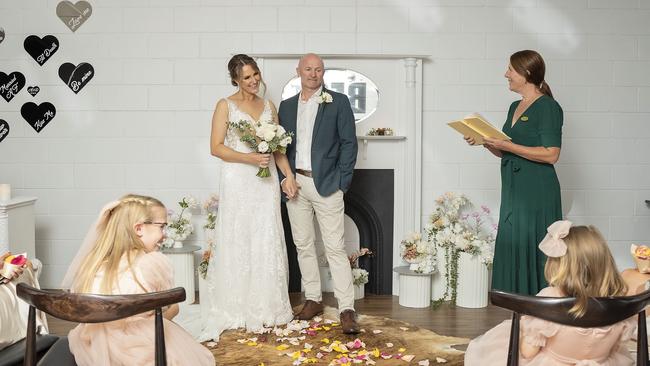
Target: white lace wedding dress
247,278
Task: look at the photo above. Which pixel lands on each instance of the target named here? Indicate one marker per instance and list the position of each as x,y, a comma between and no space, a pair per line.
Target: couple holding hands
248,276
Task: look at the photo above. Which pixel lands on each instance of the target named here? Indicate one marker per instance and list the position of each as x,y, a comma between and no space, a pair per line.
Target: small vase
177,244
359,291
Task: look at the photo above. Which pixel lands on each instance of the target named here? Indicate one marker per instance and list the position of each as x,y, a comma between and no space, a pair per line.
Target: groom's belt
306,173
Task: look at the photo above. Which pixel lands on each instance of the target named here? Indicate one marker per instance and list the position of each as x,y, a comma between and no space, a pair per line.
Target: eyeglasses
162,225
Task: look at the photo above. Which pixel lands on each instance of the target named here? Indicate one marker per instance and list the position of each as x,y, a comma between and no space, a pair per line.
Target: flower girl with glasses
120,256
579,265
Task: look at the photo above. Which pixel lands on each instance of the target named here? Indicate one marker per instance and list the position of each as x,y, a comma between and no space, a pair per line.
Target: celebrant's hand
290,187
260,160
470,140
496,143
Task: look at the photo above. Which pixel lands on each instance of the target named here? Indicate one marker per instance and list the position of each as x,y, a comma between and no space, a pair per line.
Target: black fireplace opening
370,204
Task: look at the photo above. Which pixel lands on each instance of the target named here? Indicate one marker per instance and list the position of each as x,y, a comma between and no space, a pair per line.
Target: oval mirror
362,92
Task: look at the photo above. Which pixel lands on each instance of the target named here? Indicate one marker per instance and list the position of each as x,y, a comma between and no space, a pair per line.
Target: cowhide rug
383,341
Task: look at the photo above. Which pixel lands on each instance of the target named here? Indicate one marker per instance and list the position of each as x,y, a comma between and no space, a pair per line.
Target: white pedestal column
414,288
473,282
17,226
183,263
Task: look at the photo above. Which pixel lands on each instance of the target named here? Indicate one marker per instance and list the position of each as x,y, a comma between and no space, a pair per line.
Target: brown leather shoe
349,323
309,310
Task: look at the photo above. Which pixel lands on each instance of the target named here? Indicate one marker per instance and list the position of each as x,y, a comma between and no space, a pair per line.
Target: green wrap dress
530,199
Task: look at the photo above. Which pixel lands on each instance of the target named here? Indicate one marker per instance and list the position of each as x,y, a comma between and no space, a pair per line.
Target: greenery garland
451,277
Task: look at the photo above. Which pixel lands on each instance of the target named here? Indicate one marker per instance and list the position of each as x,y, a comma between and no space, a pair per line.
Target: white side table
183,263
17,227
414,288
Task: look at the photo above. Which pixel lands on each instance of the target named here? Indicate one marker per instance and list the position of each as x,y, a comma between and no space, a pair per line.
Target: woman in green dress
530,190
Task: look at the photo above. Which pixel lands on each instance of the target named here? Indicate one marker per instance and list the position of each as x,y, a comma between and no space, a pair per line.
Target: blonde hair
586,270
115,238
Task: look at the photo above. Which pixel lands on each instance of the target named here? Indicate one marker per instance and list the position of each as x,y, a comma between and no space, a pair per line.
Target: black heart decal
76,77
4,129
73,15
33,90
2,35
38,116
41,49
11,84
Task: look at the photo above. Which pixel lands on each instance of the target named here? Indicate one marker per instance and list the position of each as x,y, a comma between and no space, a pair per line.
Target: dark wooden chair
88,308
601,311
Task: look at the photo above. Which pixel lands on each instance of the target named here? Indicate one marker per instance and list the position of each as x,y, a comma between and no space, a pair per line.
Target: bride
247,278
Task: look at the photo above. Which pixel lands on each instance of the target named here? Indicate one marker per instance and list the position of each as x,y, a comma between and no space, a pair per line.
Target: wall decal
38,116
33,90
74,15
11,84
4,129
41,49
76,77
2,34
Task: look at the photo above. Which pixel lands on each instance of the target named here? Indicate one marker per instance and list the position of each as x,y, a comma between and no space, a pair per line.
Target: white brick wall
143,123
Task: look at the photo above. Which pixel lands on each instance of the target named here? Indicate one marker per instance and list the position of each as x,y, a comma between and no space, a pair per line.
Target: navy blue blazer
334,142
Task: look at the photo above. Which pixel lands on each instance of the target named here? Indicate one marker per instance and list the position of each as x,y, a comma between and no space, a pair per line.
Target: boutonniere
325,97
524,118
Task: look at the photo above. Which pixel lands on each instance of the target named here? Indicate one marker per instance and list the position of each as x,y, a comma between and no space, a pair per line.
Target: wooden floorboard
445,320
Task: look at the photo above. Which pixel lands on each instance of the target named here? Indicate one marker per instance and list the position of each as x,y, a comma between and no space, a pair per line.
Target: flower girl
579,265
119,256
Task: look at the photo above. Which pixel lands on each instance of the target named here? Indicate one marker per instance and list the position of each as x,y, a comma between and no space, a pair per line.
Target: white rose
263,147
280,131
265,131
285,141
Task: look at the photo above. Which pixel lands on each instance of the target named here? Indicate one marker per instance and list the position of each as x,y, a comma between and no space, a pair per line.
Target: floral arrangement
418,253
265,137
180,225
641,255
380,131
453,231
359,275
205,262
211,205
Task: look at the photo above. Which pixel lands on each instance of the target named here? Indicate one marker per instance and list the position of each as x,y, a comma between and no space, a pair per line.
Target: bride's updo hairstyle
237,63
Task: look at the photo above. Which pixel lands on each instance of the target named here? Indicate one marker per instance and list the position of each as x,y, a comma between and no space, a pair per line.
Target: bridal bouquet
264,137
418,253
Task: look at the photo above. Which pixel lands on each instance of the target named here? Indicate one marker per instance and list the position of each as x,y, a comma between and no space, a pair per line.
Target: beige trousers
330,215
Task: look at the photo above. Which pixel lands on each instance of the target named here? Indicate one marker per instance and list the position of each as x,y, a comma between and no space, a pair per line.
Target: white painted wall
142,124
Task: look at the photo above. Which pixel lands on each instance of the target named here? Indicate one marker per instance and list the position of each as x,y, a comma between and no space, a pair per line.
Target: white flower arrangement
454,232
418,253
359,276
325,97
180,225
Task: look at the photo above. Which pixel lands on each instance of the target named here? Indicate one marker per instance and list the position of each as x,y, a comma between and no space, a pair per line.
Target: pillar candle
5,192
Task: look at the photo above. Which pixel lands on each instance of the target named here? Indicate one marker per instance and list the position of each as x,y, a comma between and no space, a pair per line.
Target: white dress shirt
305,120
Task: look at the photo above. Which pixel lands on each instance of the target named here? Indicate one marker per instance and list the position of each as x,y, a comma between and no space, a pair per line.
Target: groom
322,156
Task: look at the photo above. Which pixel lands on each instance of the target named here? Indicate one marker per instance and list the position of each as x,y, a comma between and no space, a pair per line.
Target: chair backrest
90,308
601,311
